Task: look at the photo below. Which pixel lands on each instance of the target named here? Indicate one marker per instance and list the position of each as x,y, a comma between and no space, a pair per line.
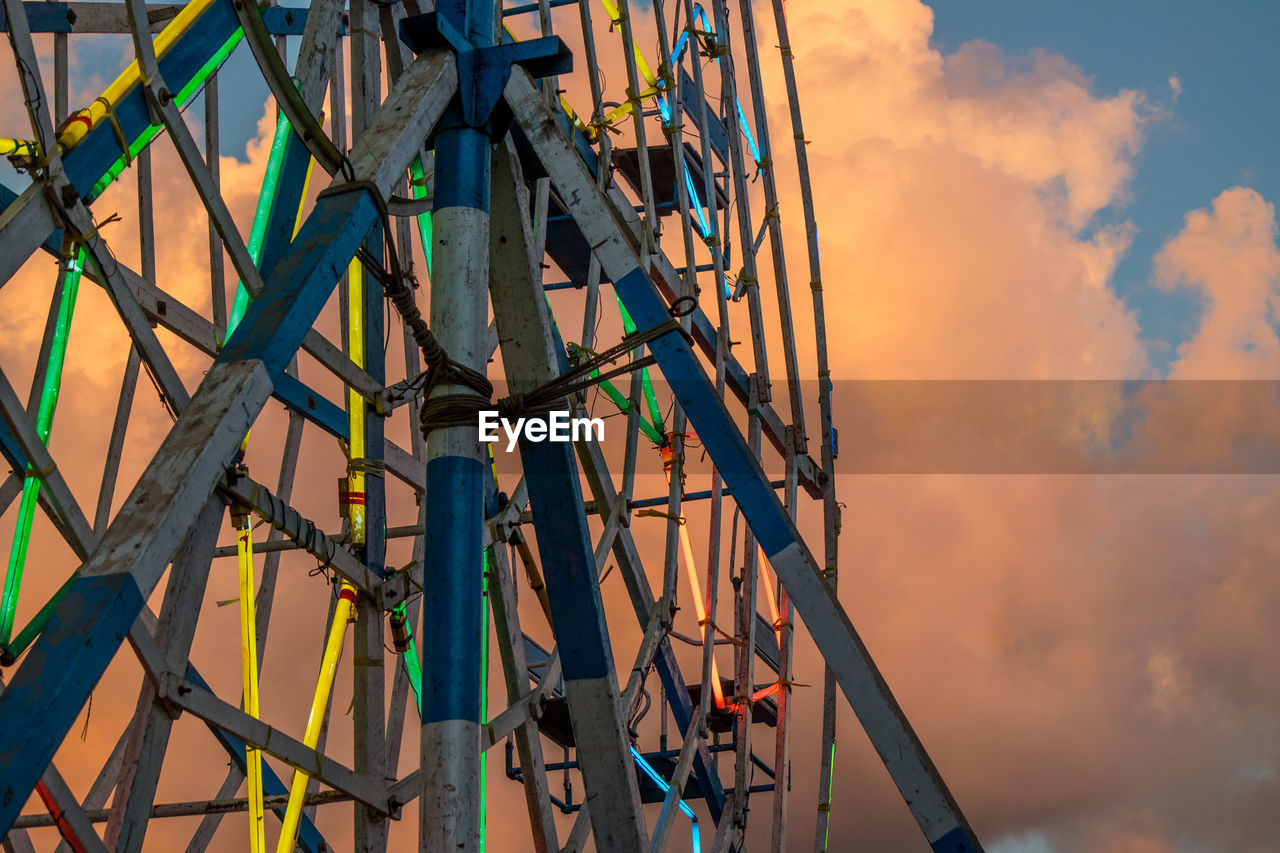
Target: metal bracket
483,70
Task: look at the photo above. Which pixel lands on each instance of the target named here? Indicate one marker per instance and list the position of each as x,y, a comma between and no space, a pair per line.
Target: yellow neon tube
17,147
766,579
249,656
302,200
700,606
347,596
590,131
355,344
79,125
615,17
324,685
642,66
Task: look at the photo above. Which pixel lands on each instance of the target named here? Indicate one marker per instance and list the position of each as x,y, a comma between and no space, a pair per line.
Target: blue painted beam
284,210
582,634
313,406
96,153
734,460
55,17
564,545
298,396
53,682
533,7
919,781
9,448
665,662
278,320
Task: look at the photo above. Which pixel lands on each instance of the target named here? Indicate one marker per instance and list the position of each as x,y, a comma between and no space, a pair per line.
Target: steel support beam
149,731
49,16
564,544
922,787
188,696
452,604
62,667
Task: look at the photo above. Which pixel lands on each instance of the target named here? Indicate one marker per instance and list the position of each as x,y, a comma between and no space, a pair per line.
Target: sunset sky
1024,190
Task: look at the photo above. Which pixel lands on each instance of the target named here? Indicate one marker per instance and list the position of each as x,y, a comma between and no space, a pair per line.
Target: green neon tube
624,406
418,187
484,692
655,411
412,663
413,666
831,787
266,201
188,91
646,384
10,652
44,421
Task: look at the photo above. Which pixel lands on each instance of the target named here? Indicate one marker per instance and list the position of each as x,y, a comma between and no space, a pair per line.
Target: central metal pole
452,616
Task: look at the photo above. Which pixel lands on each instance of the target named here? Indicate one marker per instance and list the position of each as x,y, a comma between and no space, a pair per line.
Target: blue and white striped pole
452,615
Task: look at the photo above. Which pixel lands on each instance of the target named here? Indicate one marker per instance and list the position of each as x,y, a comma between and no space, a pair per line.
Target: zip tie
77,237
369,467
716,628
816,286
785,50
604,123
116,129
657,513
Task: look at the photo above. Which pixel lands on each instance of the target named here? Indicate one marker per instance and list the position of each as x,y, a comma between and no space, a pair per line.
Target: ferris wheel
450,196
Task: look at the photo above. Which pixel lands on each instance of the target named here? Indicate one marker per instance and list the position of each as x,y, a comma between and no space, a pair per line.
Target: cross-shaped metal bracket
483,71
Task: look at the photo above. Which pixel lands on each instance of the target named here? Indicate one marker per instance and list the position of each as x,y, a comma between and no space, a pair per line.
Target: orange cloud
1228,254
954,195
1086,658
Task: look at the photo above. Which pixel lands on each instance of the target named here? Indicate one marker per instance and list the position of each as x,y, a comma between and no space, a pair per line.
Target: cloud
1087,659
1228,255
957,200
1063,645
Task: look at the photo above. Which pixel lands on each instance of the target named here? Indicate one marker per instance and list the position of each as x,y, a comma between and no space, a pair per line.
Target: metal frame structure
662,189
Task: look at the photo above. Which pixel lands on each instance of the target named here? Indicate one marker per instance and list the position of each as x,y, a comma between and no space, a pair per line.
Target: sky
1027,191
1205,70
